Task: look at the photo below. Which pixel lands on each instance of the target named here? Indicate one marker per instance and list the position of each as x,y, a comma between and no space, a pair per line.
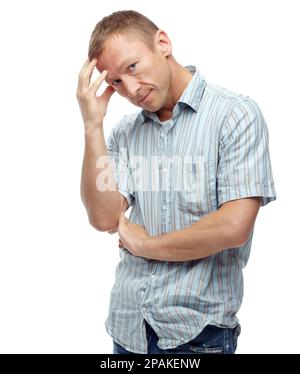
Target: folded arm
228,227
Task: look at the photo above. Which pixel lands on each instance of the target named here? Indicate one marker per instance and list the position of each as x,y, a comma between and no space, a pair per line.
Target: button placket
162,176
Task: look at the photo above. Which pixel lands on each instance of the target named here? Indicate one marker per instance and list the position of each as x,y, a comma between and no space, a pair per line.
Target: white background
56,271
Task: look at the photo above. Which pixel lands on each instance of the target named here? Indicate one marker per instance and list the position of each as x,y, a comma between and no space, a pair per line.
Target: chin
150,108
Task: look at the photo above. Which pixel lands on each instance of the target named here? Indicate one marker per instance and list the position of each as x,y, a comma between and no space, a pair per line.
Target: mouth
145,97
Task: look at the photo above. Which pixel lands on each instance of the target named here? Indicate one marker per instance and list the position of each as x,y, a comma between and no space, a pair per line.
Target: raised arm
103,203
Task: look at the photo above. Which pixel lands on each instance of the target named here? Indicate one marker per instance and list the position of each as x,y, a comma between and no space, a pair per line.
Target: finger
85,74
108,92
86,62
122,212
79,84
97,83
122,218
123,208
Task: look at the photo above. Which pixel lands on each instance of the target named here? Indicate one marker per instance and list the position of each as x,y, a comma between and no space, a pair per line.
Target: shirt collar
191,95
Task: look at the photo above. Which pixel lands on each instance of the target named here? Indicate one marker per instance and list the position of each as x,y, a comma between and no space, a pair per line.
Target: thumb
123,220
122,206
122,216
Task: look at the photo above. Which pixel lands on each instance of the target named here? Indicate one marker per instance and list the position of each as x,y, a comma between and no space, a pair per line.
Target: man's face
135,72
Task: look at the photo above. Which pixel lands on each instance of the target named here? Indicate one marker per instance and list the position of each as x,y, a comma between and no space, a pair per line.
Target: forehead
118,49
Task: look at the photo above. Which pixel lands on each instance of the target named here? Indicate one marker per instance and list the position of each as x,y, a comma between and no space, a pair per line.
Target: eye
131,67
116,82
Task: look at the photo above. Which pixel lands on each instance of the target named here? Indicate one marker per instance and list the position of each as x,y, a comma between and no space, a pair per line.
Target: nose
132,88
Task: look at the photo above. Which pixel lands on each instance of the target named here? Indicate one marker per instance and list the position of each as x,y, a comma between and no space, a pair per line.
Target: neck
180,77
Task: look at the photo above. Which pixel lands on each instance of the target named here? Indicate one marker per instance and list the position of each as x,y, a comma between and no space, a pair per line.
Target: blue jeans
212,339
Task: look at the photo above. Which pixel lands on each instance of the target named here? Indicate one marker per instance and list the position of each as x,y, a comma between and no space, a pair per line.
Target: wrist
93,131
146,246
93,125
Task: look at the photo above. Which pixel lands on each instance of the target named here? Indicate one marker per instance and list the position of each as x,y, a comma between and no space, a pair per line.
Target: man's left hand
132,236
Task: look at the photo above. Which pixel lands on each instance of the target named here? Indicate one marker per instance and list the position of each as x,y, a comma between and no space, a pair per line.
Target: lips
145,97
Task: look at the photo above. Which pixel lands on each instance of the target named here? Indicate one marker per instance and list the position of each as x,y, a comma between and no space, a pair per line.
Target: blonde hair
121,23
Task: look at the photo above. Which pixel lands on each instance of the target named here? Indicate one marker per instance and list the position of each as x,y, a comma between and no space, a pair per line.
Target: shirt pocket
195,187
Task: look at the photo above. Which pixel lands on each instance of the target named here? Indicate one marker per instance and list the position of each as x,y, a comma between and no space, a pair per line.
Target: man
193,163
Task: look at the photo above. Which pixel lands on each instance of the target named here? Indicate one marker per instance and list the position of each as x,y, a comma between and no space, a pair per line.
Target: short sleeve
244,165
116,144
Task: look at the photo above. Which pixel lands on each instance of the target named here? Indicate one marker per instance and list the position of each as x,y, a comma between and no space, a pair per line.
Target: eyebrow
108,79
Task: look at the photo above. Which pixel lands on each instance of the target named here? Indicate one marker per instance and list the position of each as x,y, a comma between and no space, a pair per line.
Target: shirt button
152,275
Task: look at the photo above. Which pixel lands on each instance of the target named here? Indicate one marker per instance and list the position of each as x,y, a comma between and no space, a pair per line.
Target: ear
163,43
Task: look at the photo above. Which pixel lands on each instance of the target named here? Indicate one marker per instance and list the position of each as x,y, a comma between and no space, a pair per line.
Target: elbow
98,226
102,222
239,236
101,225
240,241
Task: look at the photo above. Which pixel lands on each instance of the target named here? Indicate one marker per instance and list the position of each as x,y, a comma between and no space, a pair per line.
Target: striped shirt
173,173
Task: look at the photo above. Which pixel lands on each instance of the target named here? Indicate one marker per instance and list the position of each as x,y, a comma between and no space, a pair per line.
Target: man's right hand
93,108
